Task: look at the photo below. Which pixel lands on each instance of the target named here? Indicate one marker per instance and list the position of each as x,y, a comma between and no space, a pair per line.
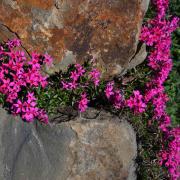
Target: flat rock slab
77,30
99,148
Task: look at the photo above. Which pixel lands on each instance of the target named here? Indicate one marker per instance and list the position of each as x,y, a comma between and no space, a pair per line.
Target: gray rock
88,148
139,57
5,33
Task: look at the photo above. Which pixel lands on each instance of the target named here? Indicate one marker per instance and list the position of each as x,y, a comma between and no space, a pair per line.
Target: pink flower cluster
74,77
83,102
136,102
18,77
161,6
114,96
95,76
157,33
79,78
171,156
28,109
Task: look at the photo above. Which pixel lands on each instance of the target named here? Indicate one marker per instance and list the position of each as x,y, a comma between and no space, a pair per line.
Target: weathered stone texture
97,146
106,30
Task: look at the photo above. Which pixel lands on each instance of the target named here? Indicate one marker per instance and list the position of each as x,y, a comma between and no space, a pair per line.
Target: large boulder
95,146
77,30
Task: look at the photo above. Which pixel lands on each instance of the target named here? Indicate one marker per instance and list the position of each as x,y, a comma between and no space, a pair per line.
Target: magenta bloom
157,33
80,69
28,116
18,107
74,75
65,85
117,100
17,73
170,156
136,103
14,43
109,90
95,76
72,85
42,116
83,103
48,60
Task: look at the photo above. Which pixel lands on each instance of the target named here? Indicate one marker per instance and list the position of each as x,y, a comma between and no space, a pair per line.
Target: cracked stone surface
77,30
97,146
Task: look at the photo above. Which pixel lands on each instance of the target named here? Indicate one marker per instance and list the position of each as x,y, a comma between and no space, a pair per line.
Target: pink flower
74,75
83,103
65,85
72,85
117,100
95,76
170,156
136,103
80,69
69,85
48,60
165,123
157,33
28,116
109,90
18,107
31,97
17,74
43,117
14,43
159,105
34,62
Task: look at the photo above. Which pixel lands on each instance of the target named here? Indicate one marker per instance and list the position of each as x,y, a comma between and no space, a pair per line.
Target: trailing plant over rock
32,95
157,34
19,78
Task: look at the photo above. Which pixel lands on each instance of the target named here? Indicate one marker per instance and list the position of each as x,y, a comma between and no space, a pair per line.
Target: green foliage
54,96
172,85
174,8
135,79
2,99
149,139
150,12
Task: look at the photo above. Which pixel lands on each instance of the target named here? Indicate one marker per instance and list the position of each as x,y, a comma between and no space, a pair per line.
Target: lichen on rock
107,30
